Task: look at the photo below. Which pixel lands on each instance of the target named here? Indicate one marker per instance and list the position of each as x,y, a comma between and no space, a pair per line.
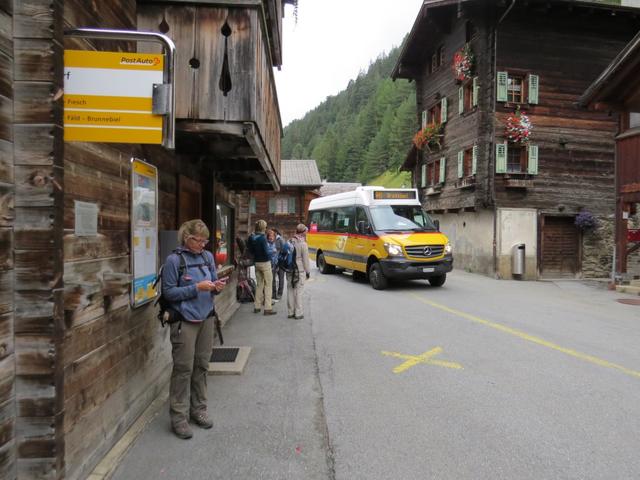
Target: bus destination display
394,195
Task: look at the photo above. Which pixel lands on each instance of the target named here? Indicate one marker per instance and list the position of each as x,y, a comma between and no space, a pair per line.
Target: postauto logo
151,62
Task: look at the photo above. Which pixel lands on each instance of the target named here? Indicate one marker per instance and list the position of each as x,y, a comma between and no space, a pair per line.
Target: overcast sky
332,41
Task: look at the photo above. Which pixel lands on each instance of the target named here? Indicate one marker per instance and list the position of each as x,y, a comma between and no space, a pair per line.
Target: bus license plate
428,269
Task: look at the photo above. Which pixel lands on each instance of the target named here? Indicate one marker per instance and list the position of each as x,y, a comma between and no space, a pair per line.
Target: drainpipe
490,184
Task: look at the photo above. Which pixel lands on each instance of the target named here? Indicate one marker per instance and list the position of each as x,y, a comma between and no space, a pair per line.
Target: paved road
480,379
493,379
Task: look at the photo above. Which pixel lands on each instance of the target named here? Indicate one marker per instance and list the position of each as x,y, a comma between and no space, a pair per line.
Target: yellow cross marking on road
426,357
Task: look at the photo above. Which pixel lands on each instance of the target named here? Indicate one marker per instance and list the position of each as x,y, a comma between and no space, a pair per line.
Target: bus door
361,241
344,229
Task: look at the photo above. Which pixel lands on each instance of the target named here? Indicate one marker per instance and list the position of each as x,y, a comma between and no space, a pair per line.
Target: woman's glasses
200,241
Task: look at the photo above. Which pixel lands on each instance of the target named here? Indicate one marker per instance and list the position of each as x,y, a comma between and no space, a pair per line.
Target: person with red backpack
300,264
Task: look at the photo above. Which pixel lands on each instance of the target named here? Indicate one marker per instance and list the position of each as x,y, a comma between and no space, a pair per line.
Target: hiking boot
256,310
291,316
299,317
202,420
275,300
270,312
182,430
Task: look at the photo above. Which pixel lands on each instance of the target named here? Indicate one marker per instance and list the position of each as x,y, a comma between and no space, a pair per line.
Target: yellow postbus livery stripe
99,102
115,60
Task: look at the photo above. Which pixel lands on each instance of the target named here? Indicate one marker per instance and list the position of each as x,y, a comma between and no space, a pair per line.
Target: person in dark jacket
191,290
257,244
278,276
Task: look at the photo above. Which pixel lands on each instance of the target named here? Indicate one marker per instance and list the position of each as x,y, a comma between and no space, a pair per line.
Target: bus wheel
323,266
438,281
376,277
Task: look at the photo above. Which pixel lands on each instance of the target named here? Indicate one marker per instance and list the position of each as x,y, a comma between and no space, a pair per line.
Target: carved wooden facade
617,89
489,192
77,364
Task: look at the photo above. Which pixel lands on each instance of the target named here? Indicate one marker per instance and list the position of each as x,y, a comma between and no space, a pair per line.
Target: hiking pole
218,325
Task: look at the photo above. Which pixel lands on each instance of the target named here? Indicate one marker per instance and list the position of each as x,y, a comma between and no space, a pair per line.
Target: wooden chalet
78,364
480,66
617,90
300,181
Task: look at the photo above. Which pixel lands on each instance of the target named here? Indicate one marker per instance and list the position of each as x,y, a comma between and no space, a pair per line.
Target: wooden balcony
518,180
239,130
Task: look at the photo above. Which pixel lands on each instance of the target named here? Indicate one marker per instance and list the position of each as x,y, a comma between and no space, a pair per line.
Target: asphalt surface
493,380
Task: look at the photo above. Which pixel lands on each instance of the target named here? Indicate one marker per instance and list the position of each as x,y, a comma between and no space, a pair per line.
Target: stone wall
597,249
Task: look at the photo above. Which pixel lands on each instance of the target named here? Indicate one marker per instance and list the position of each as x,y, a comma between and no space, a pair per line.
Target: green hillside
363,131
392,179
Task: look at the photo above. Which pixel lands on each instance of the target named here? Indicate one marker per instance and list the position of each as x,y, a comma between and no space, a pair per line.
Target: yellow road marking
530,338
426,357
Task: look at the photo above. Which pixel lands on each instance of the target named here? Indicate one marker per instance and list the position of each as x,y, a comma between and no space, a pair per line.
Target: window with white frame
282,205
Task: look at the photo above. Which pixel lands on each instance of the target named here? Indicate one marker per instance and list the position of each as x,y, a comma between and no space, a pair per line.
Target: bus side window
344,220
325,223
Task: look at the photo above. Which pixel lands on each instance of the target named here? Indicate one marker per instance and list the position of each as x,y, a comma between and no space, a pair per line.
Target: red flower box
633,235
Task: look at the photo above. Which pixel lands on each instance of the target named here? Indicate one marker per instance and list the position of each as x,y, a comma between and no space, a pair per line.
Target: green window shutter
474,160
501,87
460,164
424,119
252,205
272,205
292,205
460,100
442,169
532,164
501,158
534,80
475,92
443,110
423,182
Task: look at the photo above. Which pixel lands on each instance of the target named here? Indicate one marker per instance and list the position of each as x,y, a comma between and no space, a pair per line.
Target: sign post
108,97
165,105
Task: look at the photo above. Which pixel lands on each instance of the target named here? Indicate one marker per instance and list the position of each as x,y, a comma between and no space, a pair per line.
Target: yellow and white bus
378,232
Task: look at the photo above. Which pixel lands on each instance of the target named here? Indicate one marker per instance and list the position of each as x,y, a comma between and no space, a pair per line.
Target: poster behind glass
144,231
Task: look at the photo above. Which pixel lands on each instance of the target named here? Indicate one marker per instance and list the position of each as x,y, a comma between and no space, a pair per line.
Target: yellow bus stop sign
108,96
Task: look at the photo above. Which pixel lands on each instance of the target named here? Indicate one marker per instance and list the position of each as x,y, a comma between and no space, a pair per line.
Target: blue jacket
193,305
257,245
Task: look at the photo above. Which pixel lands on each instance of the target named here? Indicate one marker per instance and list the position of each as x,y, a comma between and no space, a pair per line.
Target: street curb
107,466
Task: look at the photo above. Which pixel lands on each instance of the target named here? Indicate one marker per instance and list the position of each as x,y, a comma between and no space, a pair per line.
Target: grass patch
392,179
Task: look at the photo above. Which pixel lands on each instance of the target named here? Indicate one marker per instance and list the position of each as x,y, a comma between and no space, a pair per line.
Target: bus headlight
393,249
448,249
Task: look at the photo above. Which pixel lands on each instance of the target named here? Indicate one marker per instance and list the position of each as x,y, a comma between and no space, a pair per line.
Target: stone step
634,290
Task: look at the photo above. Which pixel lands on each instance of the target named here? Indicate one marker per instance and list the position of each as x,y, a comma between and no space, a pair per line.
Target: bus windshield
401,218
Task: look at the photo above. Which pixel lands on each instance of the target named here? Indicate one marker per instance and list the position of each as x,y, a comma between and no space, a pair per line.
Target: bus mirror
360,227
437,224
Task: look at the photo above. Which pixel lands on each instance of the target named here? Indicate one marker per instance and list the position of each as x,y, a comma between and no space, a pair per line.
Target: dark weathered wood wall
7,355
576,147
286,224
473,127
253,96
37,135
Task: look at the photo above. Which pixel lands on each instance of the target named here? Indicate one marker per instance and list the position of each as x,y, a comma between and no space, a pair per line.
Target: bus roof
369,195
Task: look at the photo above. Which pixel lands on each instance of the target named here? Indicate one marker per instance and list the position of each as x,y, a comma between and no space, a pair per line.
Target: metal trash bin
517,259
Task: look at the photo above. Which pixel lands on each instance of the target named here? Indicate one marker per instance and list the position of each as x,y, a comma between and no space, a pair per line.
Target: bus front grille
424,251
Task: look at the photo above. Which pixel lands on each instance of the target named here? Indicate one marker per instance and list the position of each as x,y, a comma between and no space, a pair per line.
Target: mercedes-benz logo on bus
427,251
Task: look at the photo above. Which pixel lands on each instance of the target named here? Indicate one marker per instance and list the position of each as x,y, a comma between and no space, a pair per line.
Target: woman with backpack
295,279
189,282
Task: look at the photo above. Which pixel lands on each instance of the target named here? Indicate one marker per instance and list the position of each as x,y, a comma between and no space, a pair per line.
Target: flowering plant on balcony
518,127
586,221
428,137
463,63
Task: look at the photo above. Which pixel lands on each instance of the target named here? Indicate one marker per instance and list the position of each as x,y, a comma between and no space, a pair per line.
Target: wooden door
189,199
560,249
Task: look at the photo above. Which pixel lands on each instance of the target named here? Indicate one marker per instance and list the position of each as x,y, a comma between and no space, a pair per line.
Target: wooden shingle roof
300,173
